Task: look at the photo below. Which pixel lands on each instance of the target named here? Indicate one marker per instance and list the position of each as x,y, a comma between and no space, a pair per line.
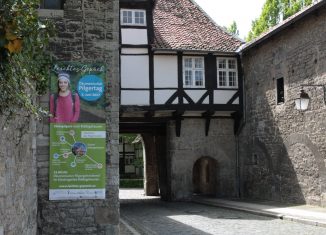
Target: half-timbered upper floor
176,60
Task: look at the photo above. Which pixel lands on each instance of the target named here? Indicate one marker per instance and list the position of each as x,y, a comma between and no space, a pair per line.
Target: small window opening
255,159
280,90
52,4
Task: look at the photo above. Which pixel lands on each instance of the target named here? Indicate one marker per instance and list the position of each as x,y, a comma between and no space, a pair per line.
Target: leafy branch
24,63
273,12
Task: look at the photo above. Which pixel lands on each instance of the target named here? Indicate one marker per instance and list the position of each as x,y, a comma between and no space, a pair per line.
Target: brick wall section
87,32
184,151
18,192
283,151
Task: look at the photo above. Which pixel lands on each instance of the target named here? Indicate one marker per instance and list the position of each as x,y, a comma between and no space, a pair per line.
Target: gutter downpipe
241,125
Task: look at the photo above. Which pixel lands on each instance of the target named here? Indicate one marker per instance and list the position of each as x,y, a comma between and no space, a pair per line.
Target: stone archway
204,176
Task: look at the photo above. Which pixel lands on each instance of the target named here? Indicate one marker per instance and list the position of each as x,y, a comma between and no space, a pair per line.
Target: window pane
232,79
231,64
127,17
188,63
139,17
188,77
221,64
199,81
222,78
199,63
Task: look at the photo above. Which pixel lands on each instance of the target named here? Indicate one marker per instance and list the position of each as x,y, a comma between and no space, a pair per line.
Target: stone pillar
162,167
150,166
88,31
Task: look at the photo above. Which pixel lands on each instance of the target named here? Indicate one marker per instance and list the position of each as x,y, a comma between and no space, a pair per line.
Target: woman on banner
64,105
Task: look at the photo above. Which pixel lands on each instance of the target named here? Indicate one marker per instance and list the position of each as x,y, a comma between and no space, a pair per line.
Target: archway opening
131,160
205,176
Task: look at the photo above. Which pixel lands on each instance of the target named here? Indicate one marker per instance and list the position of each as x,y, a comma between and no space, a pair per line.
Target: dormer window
133,17
227,73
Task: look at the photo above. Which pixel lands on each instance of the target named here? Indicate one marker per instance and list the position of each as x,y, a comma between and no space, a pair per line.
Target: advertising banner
77,132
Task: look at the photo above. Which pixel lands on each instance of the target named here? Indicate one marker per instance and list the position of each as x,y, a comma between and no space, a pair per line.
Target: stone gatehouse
217,116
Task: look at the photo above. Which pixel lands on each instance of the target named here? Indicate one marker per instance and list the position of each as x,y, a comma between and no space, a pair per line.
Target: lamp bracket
313,85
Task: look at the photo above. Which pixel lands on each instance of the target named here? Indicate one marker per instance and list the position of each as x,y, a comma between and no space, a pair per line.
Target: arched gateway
204,176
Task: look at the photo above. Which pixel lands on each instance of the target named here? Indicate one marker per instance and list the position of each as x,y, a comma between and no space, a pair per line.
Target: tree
233,29
273,12
24,64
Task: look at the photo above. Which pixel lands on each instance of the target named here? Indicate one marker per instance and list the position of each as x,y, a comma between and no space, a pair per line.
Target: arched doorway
204,176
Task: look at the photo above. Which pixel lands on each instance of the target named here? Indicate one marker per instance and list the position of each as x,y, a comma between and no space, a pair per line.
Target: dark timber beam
208,116
177,115
237,119
150,114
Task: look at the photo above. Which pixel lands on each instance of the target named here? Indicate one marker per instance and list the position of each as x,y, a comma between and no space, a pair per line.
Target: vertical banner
77,131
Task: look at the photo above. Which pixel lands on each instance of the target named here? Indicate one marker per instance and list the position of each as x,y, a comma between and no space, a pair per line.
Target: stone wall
88,31
18,192
184,151
282,150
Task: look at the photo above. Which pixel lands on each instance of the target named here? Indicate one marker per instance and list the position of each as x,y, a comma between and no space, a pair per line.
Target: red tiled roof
182,25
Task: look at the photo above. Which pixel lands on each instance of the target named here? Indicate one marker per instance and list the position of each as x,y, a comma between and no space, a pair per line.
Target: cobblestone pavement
124,230
150,215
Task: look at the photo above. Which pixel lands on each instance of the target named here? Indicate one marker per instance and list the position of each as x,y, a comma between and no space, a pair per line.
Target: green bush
131,183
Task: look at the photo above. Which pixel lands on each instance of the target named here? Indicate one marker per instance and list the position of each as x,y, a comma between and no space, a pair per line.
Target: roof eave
195,51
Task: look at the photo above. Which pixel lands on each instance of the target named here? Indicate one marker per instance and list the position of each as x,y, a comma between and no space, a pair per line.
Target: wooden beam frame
208,116
177,115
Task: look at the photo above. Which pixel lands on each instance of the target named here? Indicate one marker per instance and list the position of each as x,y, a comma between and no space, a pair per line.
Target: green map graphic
77,156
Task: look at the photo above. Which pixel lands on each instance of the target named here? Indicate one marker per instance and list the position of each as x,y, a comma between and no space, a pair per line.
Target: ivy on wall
24,63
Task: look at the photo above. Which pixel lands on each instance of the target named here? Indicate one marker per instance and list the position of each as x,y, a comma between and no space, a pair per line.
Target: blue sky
223,12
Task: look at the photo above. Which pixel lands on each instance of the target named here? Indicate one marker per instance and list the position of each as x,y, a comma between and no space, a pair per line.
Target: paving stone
152,216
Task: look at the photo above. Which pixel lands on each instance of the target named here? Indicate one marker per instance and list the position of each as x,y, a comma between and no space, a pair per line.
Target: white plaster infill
1,230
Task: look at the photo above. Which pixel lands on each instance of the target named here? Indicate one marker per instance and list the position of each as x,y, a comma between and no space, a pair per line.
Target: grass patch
131,183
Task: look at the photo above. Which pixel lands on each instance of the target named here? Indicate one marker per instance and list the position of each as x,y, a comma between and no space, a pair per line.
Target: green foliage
291,7
131,183
138,162
128,138
233,29
24,64
272,13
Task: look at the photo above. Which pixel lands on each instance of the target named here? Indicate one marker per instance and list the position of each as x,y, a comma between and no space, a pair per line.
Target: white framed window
227,73
193,72
133,17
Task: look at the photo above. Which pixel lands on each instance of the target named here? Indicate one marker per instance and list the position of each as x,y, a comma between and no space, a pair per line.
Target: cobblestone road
149,215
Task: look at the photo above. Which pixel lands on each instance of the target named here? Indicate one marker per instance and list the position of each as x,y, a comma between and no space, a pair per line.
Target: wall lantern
302,102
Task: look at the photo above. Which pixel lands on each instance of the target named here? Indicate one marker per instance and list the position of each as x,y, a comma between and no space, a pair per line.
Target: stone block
106,216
